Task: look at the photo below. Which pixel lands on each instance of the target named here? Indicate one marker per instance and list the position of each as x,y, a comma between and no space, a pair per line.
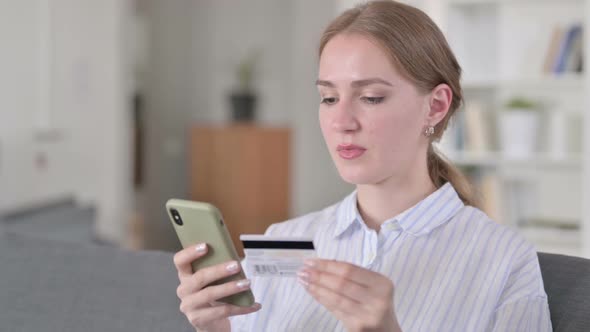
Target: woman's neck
379,202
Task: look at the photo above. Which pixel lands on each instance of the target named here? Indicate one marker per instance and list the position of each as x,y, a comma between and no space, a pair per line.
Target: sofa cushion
48,285
567,283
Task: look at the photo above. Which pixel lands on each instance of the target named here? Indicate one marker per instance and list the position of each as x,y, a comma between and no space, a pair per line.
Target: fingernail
201,247
256,306
243,283
232,267
303,277
302,281
309,262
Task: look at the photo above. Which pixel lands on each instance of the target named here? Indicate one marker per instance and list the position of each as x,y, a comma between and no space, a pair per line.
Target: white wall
22,99
64,99
91,103
586,182
168,87
316,182
586,156
433,7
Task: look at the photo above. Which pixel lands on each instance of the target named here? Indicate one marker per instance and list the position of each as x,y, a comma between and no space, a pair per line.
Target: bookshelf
505,52
565,81
496,159
480,2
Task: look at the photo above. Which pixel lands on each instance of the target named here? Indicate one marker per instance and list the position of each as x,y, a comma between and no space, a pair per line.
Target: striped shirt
452,267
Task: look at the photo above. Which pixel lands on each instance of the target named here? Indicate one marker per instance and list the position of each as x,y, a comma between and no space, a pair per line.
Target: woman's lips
350,151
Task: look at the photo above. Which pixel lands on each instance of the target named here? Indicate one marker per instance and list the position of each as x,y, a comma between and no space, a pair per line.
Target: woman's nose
344,118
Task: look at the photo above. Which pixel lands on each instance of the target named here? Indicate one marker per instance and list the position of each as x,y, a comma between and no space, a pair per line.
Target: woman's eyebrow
325,83
369,81
356,84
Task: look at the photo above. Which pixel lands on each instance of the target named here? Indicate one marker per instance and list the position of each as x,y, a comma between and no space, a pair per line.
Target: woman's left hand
361,299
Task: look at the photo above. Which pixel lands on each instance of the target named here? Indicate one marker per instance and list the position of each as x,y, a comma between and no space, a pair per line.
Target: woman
407,250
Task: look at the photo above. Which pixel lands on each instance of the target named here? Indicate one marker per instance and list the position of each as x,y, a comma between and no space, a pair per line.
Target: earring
429,131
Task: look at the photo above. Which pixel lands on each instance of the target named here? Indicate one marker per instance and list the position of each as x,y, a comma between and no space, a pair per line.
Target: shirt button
390,227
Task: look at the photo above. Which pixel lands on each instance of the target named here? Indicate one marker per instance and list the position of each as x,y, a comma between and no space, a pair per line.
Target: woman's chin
356,178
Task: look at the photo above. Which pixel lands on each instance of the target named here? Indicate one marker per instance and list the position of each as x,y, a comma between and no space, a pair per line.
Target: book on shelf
547,222
489,186
469,131
451,140
476,127
565,53
551,55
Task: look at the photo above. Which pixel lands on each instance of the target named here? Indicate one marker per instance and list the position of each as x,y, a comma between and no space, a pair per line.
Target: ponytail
442,171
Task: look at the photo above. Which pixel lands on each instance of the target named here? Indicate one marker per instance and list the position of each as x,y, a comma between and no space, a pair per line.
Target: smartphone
200,222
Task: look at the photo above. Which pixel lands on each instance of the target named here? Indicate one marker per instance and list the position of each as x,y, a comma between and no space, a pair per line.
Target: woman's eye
373,100
328,101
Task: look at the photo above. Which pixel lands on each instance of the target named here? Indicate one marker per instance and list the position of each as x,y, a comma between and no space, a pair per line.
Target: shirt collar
346,214
433,211
420,219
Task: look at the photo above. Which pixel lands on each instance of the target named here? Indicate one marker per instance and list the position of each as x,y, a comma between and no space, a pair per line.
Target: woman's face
371,117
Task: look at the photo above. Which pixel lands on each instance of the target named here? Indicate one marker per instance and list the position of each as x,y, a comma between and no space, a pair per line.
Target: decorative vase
243,107
518,133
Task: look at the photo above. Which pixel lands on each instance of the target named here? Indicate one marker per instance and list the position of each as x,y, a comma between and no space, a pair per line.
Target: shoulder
305,225
491,239
492,249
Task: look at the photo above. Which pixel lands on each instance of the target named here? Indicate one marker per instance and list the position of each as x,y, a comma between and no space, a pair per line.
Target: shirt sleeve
237,323
523,303
527,314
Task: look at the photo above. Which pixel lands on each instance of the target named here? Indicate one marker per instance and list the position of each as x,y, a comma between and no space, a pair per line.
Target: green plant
521,103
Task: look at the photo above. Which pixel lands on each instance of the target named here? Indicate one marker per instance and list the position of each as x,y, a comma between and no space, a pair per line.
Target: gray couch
48,285
567,283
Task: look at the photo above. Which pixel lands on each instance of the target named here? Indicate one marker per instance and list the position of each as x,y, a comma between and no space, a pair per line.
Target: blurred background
109,108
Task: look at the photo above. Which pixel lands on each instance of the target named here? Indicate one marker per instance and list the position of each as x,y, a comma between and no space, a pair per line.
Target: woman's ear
440,101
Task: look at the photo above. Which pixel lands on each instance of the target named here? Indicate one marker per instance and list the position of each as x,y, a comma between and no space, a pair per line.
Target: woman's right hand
198,302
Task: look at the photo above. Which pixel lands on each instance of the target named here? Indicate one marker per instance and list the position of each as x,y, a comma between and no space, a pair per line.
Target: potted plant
518,125
243,99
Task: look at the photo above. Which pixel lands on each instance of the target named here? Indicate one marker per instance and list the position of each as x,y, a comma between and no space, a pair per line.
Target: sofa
567,284
48,285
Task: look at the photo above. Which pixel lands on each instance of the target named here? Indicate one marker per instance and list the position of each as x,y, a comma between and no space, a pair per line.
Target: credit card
272,256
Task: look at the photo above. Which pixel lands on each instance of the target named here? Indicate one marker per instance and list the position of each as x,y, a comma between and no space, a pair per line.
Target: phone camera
176,217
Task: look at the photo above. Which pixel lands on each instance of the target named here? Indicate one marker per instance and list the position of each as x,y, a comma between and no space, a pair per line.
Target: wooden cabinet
244,170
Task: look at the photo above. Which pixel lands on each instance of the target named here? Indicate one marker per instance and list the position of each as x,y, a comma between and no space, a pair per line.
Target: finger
205,276
337,284
349,271
184,258
211,294
334,302
203,317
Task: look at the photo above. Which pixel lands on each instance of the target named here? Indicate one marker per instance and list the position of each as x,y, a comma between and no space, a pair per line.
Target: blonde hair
420,51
